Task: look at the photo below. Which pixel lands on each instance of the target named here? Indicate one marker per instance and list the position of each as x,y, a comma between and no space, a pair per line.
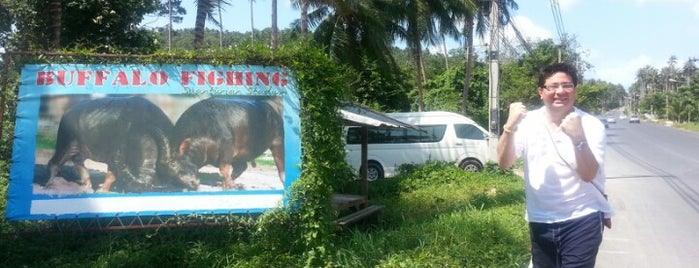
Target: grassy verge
694,127
440,216
435,215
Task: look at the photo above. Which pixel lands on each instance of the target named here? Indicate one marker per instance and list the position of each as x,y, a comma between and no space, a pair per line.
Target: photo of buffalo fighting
158,143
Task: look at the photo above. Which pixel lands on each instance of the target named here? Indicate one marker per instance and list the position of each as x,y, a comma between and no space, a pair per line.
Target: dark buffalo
228,134
129,134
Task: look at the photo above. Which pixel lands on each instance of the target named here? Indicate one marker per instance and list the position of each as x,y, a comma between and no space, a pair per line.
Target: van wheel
374,172
471,165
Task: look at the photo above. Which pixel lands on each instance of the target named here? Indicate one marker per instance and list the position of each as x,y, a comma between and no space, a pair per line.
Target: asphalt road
653,184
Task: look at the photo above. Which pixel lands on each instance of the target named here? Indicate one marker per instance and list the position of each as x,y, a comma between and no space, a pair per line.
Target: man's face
559,92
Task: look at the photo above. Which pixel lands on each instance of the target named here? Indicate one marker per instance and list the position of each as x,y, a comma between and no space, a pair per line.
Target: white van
444,136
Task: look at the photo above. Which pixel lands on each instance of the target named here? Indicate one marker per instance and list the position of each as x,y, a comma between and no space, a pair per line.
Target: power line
507,42
557,19
521,38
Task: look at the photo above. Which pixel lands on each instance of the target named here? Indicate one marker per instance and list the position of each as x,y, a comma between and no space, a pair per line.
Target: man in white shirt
563,149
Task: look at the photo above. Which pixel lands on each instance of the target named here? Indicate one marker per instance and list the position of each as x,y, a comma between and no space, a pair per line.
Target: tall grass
694,127
440,216
435,215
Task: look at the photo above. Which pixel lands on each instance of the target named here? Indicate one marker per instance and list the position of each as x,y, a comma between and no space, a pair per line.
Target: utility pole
560,51
493,55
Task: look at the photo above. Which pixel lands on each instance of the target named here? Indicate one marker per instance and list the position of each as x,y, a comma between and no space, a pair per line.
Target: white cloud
439,48
693,4
528,29
620,72
530,32
624,71
566,4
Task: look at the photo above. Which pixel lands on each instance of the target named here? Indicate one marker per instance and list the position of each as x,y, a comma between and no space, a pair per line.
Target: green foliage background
321,84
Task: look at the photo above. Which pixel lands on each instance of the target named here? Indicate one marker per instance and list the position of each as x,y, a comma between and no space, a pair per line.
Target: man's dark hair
561,67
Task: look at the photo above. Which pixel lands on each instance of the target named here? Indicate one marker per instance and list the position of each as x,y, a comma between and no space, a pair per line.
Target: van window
468,131
430,133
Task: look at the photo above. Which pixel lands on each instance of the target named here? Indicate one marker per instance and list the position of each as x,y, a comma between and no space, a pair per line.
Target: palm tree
647,78
56,13
220,27
445,52
358,34
666,74
688,69
349,29
174,11
477,20
252,22
169,25
420,21
275,30
456,10
205,10
474,13
302,5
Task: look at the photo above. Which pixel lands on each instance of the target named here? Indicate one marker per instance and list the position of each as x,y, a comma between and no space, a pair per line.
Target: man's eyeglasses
553,87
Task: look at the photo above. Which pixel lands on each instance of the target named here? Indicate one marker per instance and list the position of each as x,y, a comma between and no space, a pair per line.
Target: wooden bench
360,214
349,201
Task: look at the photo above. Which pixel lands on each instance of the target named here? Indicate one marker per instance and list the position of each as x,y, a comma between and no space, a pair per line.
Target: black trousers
572,243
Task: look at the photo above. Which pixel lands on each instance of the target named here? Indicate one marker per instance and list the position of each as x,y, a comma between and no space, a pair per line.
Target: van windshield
430,133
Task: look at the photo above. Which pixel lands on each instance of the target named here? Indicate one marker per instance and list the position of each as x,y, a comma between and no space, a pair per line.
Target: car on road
634,119
611,120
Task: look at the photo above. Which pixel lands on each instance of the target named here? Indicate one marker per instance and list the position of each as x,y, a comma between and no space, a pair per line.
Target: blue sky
617,37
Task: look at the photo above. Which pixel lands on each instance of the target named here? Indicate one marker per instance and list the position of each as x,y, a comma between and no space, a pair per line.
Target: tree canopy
360,36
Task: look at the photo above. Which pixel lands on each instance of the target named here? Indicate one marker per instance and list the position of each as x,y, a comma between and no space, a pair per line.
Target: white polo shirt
554,191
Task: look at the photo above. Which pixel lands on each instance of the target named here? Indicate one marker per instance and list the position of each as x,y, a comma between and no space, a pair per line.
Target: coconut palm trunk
56,13
304,5
220,27
203,9
252,22
468,44
446,52
419,76
275,30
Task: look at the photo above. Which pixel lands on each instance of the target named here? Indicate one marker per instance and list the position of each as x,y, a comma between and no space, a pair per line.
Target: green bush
438,215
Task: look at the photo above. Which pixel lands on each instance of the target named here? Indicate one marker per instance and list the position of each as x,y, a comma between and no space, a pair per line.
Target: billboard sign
142,140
